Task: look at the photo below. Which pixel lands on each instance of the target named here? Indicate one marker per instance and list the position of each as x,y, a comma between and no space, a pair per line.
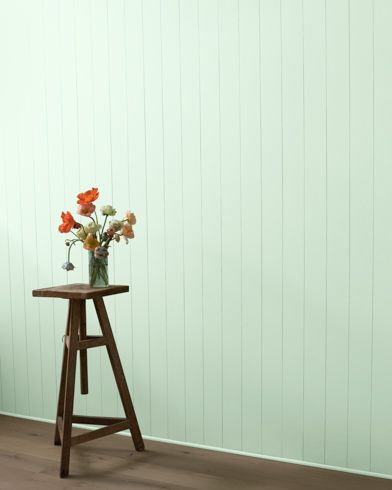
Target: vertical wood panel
250,226
28,201
6,344
155,165
381,428
271,341
315,230
338,175
137,175
174,217
12,194
40,155
231,224
192,180
211,220
361,232
293,227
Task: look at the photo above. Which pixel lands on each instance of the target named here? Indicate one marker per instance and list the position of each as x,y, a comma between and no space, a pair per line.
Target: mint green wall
253,141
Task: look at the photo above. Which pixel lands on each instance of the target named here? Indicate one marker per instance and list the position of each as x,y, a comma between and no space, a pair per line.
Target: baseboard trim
222,450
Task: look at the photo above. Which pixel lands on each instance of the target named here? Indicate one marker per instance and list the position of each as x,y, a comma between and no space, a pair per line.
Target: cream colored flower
108,210
92,227
81,233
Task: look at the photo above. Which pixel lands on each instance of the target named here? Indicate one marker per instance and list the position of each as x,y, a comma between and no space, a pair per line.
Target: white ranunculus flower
92,227
108,210
81,233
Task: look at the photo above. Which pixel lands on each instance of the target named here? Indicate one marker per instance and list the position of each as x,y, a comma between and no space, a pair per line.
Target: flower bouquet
95,238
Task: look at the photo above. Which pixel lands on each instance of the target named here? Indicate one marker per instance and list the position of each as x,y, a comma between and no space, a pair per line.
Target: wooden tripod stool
76,339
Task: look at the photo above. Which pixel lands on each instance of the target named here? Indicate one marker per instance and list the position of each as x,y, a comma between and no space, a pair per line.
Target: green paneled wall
253,141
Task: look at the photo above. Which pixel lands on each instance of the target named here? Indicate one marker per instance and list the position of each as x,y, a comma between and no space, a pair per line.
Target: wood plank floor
28,460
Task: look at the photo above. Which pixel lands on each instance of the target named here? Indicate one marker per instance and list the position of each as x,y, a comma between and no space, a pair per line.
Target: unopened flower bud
68,266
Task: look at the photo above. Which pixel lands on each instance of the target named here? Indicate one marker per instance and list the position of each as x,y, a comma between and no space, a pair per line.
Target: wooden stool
76,339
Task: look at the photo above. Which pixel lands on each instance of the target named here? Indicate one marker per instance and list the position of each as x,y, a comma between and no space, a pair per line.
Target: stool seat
78,291
76,339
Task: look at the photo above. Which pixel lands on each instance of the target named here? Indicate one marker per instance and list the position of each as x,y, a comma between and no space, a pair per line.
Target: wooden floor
28,460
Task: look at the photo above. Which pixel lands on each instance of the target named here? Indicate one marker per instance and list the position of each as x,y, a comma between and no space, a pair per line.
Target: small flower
68,266
81,233
68,222
88,196
108,210
110,232
101,253
92,227
116,225
127,231
130,217
90,243
86,209
117,237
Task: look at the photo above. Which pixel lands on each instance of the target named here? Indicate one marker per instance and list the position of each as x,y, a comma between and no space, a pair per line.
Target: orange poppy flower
68,222
88,196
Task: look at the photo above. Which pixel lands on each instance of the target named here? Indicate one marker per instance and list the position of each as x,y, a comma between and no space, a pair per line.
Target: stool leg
83,352
60,402
69,388
119,373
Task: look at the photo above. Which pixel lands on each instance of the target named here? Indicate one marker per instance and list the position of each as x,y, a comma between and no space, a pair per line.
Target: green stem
102,230
69,249
72,243
106,244
98,270
77,238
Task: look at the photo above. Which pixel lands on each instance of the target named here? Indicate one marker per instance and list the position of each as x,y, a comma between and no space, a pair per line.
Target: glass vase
98,271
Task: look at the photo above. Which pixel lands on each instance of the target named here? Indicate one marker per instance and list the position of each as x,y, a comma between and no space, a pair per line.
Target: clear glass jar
98,271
